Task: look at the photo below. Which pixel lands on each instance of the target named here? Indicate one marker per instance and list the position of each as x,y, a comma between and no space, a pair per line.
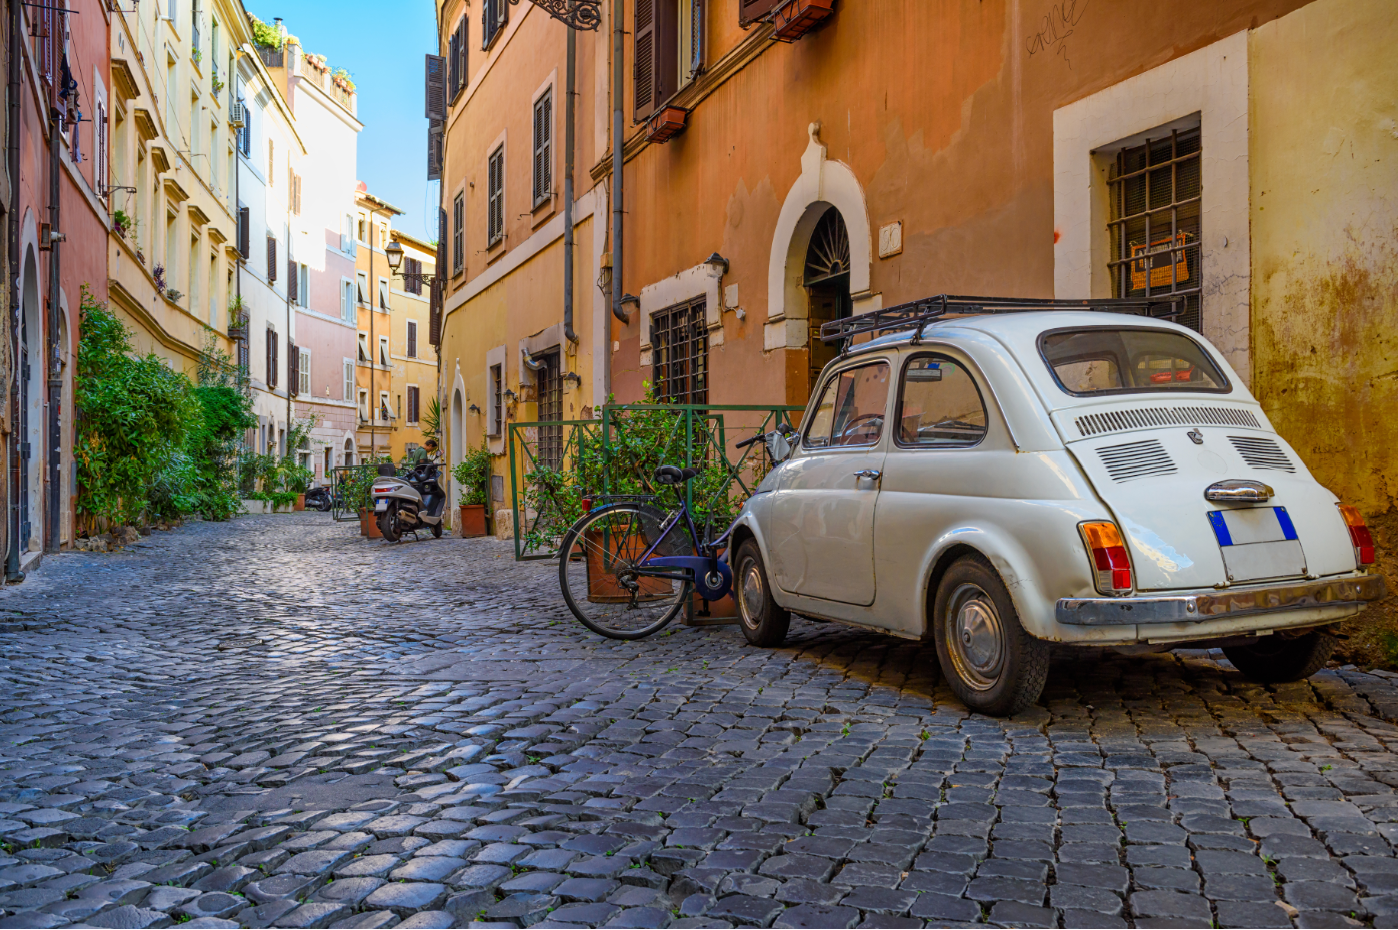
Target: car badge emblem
1195,437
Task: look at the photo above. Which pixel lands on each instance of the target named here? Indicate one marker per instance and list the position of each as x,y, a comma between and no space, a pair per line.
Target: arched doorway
826,279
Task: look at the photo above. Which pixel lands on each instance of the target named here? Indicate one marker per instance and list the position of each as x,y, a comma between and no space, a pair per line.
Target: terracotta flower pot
300,504
602,586
472,521
369,525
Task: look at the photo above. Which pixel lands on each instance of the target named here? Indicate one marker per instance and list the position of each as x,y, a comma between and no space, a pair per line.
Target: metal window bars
918,313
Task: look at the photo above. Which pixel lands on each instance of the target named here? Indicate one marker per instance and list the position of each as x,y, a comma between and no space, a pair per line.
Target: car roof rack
916,314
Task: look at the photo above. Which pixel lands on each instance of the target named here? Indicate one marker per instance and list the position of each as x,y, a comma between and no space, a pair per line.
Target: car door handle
873,474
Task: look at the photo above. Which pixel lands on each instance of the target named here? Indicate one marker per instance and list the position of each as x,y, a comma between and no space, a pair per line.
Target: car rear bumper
1353,591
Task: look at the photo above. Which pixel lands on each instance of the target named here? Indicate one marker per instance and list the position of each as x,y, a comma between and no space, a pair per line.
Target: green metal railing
557,466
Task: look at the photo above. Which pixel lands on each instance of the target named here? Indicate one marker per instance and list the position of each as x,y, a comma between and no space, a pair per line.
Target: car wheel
1278,658
764,621
989,661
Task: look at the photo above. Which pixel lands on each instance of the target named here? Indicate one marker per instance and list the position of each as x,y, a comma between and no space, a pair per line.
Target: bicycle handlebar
747,442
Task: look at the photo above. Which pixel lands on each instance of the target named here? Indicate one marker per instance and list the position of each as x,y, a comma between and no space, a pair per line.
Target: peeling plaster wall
943,111
1324,151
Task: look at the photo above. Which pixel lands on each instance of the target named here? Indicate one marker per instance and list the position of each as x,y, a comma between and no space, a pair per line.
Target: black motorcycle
320,499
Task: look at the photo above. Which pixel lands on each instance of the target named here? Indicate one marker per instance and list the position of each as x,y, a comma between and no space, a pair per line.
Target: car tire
987,658
763,620
1275,659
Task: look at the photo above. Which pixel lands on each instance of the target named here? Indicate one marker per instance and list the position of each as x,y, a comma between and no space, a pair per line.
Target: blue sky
381,45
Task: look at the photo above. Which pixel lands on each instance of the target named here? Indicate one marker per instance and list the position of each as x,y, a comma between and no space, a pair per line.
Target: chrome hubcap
751,591
975,637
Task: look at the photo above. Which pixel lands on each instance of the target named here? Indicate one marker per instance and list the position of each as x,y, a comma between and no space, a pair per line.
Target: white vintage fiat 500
1006,474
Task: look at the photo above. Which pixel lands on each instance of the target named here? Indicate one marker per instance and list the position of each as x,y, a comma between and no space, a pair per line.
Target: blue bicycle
629,567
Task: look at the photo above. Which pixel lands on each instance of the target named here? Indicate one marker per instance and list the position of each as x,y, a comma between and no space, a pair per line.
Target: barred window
549,382
1155,221
680,347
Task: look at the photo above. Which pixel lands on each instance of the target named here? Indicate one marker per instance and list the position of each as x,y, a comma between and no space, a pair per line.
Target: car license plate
1258,543
381,506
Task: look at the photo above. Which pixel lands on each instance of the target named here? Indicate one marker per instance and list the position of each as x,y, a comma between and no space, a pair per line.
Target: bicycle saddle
673,474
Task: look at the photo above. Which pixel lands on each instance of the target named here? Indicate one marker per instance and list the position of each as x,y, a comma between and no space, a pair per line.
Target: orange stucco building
786,162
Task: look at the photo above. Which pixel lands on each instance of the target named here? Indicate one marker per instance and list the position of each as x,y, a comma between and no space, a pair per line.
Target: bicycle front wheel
598,571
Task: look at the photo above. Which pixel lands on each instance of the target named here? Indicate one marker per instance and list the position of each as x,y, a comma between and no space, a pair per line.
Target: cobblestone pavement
276,723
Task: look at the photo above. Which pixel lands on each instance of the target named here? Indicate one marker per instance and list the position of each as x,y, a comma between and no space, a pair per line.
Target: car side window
851,409
939,405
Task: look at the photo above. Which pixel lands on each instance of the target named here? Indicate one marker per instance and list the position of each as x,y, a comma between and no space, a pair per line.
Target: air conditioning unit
237,115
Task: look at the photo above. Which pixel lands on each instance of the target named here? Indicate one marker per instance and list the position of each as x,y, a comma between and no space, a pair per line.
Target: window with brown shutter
458,234
453,64
412,279
244,237
749,11
293,368
463,57
435,95
293,288
271,260
296,193
412,404
412,341
657,54
271,358
434,150
543,148
494,15
495,203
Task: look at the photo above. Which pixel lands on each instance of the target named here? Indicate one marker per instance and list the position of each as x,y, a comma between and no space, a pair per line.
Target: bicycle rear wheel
597,571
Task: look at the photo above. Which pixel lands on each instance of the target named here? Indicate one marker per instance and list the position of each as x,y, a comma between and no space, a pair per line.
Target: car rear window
1115,360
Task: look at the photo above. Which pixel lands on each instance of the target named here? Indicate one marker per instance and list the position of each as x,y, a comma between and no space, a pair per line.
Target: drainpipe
54,479
12,572
618,130
568,187
289,346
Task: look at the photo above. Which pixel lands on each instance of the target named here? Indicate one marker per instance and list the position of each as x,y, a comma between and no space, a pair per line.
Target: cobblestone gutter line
268,723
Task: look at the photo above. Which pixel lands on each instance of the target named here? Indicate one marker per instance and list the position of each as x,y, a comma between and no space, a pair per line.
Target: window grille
680,347
495,219
543,148
1155,221
549,383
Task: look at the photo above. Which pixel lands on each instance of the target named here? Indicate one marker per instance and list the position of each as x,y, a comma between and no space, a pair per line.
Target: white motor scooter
411,503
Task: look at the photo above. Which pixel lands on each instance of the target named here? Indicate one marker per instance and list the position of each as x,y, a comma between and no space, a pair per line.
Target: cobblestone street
273,722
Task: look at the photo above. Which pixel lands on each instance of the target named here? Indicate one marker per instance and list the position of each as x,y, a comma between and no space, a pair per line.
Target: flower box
667,123
793,19
472,521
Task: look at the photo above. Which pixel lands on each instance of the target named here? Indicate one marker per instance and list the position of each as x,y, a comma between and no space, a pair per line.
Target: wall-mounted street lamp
474,409
630,302
574,377
718,263
394,251
510,395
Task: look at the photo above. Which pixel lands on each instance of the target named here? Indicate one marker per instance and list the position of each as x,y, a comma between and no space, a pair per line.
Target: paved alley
274,722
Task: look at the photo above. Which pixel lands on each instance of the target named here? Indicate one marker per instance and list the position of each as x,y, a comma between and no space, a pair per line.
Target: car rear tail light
1359,535
1111,566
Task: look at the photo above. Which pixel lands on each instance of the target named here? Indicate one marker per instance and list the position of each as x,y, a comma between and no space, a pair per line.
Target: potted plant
472,475
296,478
237,319
158,273
121,223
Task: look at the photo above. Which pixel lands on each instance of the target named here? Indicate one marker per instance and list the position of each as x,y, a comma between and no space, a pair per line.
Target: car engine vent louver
1262,453
1132,460
1114,421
